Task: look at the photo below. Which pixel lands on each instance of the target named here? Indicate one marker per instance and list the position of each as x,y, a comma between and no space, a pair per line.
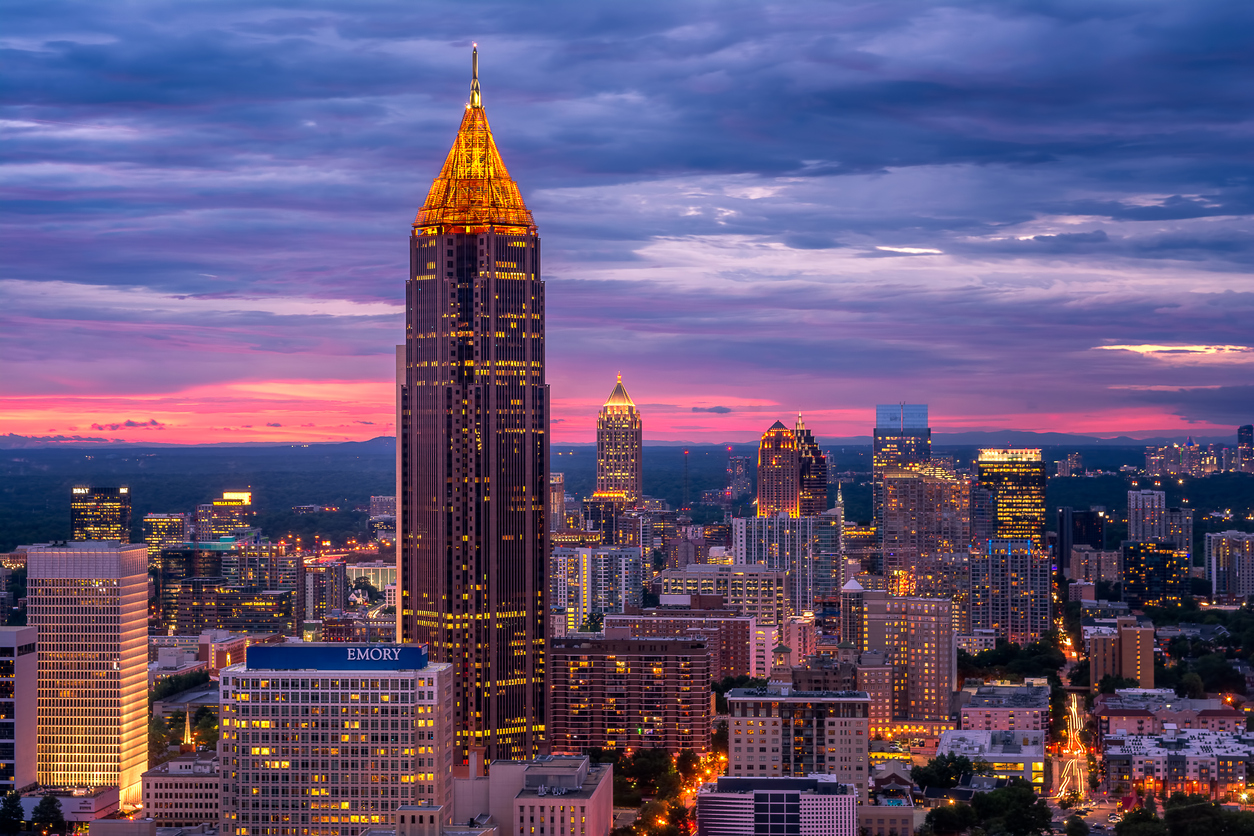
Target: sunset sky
1030,216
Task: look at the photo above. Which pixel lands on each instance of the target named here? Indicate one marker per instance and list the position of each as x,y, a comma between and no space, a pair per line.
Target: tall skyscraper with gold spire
619,448
473,446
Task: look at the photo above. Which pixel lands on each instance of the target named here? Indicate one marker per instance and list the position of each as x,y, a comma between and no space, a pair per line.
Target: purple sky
1031,215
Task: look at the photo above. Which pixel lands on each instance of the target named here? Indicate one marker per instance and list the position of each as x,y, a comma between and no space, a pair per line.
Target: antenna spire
476,99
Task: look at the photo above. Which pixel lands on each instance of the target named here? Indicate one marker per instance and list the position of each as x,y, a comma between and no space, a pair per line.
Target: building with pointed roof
812,477
779,473
473,447
620,439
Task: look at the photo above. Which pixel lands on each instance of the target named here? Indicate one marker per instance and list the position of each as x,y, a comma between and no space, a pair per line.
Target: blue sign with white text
335,656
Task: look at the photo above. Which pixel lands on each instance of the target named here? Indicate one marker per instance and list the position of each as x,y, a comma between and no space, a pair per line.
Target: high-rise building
474,446
813,805
89,601
1016,480
594,581
779,473
1073,465
629,693
326,588
726,632
383,506
557,501
1245,448
1155,574
620,447
161,530
19,700
1080,528
829,550
925,512
902,436
749,589
361,729
1011,585
1230,565
216,604
1178,528
225,515
812,479
739,483
100,513
776,731
786,544
1125,650
1147,512
916,636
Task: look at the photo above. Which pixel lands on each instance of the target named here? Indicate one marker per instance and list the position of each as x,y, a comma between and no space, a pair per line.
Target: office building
627,693
1088,565
786,544
1245,448
329,739
901,439
556,794
750,589
1155,574
179,562
473,446
161,530
925,512
1010,754
594,581
829,551
1230,565
620,447
1125,650
557,501
1178,528
1015,478
728,634
1080,528
739,479
326,588
19,699
776,731
383,506
1072,465
184,791
1147,515
779,473
378,573
100,513
813,805
215,604
916,637
812,477
89,601
225,515
1007,708
1011,587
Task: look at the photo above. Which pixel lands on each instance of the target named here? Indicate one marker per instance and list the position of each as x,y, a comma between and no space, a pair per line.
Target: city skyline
793,194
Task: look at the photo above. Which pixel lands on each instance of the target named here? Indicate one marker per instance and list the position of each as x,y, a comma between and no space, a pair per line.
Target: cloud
273,424
128,424
721,410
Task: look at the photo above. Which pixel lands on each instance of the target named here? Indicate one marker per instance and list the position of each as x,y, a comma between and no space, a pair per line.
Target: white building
1010,754
563,795
185,791
89,601
813,805
331,738
786,544
594,581
19,684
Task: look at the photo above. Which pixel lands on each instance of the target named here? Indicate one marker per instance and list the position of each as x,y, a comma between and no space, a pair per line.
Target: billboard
337,656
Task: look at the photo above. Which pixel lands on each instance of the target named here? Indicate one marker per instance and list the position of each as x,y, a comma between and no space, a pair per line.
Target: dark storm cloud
963,200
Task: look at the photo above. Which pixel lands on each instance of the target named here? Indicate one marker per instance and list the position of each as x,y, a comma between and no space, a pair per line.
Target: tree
1015,810
1069,800
950,818
688,763
158,741
11,814
47,816
363,583
1075,826
1191,686
942,772
718,740
1110,683
1140,822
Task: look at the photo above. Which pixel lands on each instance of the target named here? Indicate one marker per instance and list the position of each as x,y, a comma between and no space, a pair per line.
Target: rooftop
1022,696
975,743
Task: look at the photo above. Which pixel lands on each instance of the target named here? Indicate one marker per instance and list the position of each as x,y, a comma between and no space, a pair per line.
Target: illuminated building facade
1011,584
779,473
220,518
1230,565
1080,528
1178,528
787,544
473,446
1155,574
926,511
916,636
901,438
100,513
328,739
1015,479
89,601
1147,515
19,687
1245,448
620,447
215,604
326,588
626,693
751,590
812,480
161,530
739,482
594,581
557,501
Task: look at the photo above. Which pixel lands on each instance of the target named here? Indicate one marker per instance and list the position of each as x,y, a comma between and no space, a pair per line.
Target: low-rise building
977,641
812,805
1201,761
563,796
1009,754
1147,711
1007,708
78,804
727,632
184,791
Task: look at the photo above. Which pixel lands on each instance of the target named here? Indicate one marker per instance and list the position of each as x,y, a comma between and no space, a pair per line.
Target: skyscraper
812,480
619,447
161,530
473,446
926,512
1010,590
1016,480
901,438
220,518
738,481
1147,515
90,603
779,473
1154,574
100,513
1079,528
1245,448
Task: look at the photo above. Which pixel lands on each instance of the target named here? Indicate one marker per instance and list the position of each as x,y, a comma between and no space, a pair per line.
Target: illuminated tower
473,447
100,513
779,473
619,443
813,478
902,439
1015,480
